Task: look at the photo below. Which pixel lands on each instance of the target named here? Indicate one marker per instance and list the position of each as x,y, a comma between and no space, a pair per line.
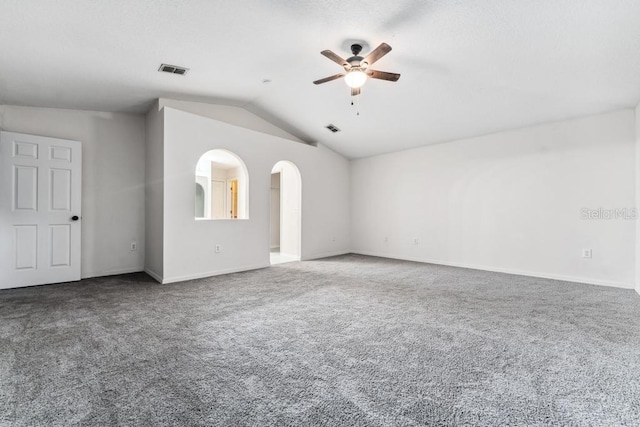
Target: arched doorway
286,213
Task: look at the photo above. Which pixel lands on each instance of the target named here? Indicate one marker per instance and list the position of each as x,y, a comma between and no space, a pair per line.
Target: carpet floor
349,340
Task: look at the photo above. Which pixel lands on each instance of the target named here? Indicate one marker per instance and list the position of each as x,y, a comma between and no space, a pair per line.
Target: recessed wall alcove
221,186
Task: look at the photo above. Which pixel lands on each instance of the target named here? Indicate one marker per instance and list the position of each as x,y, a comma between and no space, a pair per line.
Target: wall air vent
332,128
173,69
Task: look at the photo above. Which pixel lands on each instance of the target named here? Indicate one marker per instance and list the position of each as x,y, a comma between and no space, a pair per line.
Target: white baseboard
211,273
112,272
183,278
574,279
325,255
156,276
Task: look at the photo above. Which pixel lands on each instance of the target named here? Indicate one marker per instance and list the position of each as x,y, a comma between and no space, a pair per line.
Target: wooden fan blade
377,53
328,79
383,75
355,91
335,58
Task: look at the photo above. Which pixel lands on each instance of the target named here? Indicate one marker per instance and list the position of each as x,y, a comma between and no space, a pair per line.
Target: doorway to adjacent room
286,213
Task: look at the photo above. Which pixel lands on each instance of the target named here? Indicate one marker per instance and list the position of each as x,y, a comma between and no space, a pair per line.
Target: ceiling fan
356,68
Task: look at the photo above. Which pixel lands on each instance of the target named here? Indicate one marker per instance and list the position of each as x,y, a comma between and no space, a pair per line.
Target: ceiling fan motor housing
355,60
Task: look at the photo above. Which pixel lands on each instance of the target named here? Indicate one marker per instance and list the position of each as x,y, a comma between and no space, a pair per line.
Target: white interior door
40,185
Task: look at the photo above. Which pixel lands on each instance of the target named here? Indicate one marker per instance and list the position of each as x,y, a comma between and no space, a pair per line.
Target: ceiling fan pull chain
355,102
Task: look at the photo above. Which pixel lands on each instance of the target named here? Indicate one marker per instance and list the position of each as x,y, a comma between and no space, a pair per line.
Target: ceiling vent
173,69
332,128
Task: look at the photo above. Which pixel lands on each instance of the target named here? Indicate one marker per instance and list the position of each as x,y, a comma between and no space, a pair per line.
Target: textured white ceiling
468,67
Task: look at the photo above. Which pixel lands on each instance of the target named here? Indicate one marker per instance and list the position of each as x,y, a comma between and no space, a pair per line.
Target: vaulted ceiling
468,67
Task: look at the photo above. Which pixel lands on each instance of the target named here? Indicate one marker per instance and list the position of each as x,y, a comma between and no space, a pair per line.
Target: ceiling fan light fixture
355,78
356,69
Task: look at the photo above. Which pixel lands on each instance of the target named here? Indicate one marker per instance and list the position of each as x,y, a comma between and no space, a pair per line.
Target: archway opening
222,186
286,213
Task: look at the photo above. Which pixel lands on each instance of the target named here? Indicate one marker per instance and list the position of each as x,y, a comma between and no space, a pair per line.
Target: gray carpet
350,340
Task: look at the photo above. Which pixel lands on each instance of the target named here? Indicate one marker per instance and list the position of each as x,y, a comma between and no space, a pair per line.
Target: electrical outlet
333,239
415,240
587,253
386,240
218,249
134,246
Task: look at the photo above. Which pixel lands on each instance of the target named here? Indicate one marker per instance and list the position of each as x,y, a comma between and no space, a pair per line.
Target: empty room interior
337,213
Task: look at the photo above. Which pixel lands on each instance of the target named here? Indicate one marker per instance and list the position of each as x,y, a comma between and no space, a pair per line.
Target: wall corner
637,246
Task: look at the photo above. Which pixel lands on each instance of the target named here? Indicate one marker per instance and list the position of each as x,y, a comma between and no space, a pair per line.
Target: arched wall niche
224,178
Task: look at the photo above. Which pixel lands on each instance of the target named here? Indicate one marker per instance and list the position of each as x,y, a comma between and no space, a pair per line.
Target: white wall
274,218
637,113
510,201
189,245
290,209
112,180
154,193
237,116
